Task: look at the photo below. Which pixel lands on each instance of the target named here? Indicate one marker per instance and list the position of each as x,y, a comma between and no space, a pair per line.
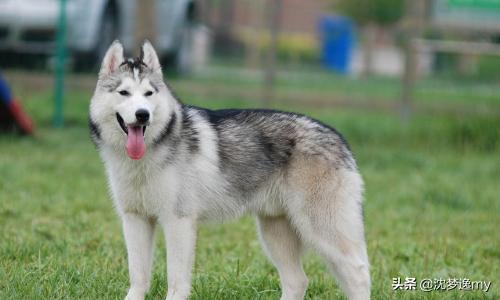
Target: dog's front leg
180,236
139,233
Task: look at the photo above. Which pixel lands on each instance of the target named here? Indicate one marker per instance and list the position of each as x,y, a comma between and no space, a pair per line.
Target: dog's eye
124,93
148,93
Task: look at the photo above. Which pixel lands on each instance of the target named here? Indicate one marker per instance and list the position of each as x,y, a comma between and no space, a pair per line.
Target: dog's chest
141,190
142,199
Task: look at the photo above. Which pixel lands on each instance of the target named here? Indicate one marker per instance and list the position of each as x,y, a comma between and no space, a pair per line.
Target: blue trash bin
337,42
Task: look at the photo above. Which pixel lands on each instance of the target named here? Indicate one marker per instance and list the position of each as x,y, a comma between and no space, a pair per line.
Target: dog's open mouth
136,147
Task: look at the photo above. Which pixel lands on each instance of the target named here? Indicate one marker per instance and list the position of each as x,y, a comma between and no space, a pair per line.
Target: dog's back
255,143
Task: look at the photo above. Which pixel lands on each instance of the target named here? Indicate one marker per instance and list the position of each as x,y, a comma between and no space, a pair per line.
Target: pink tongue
135,142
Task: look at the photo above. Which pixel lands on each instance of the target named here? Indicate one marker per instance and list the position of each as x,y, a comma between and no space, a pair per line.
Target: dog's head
131,102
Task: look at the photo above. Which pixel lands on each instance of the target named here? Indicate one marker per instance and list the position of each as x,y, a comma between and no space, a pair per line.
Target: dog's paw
178,294
135,294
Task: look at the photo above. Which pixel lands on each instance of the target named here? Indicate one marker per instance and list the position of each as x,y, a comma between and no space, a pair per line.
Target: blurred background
390,55
413,85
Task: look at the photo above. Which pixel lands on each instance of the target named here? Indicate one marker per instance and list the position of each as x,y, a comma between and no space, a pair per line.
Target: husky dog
175,165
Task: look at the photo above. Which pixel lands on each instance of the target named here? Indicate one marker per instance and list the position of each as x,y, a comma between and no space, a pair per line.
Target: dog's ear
113,59
149,57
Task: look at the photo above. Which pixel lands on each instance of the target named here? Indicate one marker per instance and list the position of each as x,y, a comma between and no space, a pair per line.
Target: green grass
432,204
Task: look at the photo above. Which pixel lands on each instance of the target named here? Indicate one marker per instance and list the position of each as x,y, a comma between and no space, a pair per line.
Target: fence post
145,27
409,78
270,66
414,19
60,65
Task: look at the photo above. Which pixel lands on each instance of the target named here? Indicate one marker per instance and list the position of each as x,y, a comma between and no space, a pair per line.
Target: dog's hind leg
284,248
346,257
328,216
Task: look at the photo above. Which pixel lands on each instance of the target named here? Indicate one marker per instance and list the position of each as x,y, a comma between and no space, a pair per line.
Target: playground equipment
12,116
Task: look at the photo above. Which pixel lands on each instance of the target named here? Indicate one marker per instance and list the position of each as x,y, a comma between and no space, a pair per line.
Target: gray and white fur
295,174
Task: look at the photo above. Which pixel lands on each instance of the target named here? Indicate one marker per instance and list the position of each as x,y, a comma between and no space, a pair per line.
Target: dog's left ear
149,57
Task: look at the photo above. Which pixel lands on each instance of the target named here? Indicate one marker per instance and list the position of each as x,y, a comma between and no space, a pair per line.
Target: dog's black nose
142,115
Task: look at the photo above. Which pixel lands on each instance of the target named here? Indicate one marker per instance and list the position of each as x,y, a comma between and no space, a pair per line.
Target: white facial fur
136,99
107,100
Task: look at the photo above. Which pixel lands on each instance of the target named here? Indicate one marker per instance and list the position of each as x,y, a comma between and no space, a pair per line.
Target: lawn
432,205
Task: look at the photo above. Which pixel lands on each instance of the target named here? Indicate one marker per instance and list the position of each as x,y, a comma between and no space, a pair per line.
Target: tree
380,12
371,15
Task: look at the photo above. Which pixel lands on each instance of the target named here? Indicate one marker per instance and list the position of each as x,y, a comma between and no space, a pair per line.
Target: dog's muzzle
142,123
136,146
